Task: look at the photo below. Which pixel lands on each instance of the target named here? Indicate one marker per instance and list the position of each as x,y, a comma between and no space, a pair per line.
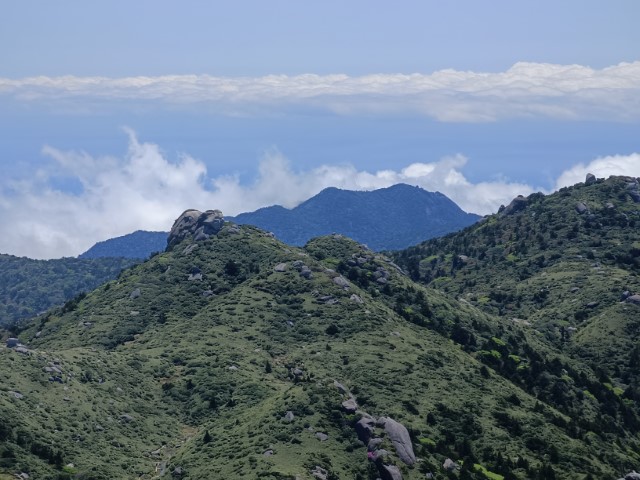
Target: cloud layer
526,90
145,190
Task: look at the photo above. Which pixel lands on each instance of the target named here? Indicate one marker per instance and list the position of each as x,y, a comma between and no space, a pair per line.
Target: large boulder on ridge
399,436
195,224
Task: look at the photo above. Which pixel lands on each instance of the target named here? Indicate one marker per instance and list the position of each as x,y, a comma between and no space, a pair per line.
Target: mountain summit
386,219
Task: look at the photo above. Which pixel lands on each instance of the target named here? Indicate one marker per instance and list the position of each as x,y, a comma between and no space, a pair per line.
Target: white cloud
145,190
526,90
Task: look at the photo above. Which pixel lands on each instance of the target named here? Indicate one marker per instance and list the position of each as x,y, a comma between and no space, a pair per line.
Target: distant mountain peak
385,219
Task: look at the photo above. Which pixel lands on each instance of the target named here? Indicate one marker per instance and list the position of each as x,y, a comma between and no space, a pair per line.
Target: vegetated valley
505,351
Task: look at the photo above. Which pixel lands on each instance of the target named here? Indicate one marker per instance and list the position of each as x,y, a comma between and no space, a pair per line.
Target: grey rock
635,299
373,444
399,436
341,388
17,395
449,465
365,428
328,300
268,453
632,476
319,473
593,304
289,416
177,472
12,342
356,299
196,225
189,249
341,282
323,437
199,235
382,280
281,267
194,277
350,405
590,180
135,294
582,208
207,293
305,272
298,372
379,454
390,472
126,418
610,206
517,204
233,367
22,350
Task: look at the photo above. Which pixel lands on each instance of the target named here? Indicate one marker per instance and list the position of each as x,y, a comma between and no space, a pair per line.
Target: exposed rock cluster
195,224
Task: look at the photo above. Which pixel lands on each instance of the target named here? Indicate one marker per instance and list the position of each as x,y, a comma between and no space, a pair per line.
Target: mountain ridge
233,355
384,219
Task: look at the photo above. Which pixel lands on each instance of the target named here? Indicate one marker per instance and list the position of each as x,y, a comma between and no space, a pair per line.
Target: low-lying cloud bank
526,90
145,190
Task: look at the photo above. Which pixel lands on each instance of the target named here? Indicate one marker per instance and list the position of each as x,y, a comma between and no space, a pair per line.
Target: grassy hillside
563,265
232,357
28,287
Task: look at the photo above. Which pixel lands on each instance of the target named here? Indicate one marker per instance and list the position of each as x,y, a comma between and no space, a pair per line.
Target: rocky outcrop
449,465
635,299
517,204
195,224
582,208
591,179
399,436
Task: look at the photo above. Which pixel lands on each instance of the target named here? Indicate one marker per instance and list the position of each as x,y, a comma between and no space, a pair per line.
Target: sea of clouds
526,90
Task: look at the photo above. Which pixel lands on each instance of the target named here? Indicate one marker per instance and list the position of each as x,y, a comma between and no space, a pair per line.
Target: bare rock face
195,224
399,436
590,180
517,204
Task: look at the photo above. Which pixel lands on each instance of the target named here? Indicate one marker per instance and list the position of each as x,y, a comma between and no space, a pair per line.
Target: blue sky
118,115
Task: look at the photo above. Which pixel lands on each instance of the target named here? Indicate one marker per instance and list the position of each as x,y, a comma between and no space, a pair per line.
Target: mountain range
504,351
385,219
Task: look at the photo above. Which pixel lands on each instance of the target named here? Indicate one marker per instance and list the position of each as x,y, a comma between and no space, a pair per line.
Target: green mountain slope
566,265
28,287
239,357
